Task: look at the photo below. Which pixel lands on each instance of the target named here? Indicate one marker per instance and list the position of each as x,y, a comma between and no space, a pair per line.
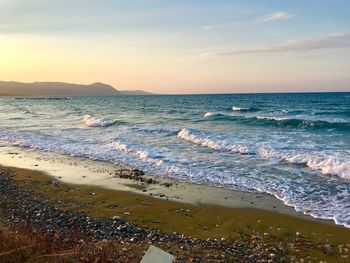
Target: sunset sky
179,46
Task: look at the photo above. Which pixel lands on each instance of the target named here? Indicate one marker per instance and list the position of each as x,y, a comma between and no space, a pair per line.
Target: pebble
328,249
118,219
42,215
299,234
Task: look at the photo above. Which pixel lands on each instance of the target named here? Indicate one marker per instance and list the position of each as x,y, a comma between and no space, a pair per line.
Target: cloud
263,19
274,16
333,41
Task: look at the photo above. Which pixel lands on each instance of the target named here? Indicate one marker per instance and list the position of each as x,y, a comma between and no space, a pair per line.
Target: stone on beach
156,255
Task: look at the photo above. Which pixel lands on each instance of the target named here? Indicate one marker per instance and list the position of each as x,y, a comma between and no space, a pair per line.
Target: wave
241,109
302,123
205,141
321,198
337,112
92,121
141,154
273,118
114,151
283,122
156,130
208,114
326,164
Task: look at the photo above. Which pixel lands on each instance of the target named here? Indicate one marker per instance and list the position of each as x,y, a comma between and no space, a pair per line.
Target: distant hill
12,88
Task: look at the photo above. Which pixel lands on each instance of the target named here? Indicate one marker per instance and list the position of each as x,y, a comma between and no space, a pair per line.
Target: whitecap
327,164
208,114
272,118
92,121
234,108
205,141
141,154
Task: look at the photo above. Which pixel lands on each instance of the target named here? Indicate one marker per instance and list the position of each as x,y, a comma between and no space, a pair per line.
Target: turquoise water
293,146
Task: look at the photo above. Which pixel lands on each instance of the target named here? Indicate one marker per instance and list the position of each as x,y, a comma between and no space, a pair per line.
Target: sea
294,146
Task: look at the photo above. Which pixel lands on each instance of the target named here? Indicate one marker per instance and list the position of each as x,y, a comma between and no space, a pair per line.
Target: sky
179,46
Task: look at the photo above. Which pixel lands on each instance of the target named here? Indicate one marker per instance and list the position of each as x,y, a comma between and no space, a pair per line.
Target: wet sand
73,170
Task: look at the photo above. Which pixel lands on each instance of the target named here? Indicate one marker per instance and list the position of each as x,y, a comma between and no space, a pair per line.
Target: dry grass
24,245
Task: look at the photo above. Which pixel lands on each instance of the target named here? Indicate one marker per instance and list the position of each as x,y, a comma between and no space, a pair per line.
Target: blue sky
179,46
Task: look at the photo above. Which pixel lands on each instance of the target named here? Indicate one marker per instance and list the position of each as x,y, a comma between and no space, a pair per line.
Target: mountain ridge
47,89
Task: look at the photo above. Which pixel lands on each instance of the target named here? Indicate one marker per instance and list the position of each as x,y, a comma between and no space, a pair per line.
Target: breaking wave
141,154
283,122
206,141
326,164
92,121
241,109
302,123
208,114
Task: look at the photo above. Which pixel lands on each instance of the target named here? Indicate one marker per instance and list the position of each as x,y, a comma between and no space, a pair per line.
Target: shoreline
77,171
188,230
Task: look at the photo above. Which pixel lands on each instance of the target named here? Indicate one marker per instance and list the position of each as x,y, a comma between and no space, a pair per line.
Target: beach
168,213
174,131
207,178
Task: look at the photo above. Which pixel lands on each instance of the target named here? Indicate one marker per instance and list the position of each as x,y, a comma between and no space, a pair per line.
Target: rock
156,255
328,249
118,219
149,181
299,234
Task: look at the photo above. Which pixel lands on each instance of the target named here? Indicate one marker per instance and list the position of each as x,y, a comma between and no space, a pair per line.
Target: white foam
186,135
92,121
327,164
234,108
272,118
208,114
141,154
326,199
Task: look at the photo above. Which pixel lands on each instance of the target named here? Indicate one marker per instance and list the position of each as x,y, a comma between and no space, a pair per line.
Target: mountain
12,88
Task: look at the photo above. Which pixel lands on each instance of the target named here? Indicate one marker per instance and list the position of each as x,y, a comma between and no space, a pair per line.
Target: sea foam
141,154
92,121
297,143
208,142
238,109
326,164
208,114
234,108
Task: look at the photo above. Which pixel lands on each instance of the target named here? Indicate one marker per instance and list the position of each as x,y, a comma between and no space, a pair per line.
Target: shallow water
294,146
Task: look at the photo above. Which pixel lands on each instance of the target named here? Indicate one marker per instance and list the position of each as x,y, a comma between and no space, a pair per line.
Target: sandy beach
105,175
174,131
182,211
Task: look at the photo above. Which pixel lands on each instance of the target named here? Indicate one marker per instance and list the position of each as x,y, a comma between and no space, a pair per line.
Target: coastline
81,171
73,170
71,185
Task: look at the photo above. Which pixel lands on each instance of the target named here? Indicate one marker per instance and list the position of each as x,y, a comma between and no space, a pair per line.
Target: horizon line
156,93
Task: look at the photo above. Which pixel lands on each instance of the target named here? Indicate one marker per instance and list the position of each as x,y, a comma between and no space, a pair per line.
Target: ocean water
293,146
